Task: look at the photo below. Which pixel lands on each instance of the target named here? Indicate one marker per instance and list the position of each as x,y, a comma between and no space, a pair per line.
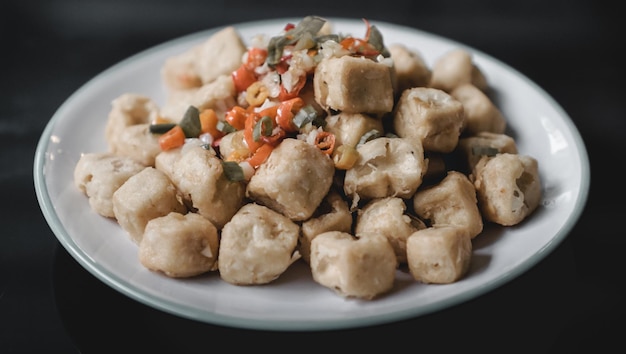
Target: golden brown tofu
179,246
454,68
452,201
353,267
99,175
388,217
480,112
257,246
386,167
508,187
439,255
143,197
293,180
353,85
430,116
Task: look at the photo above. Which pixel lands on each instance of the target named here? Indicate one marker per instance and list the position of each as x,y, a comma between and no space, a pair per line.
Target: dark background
571,302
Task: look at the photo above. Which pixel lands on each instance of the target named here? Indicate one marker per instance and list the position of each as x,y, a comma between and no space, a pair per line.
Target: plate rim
181,310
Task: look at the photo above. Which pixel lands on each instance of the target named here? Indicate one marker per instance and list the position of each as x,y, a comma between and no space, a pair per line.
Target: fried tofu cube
293,180
481,114
431,116
220,54
361,267
144,196
472,148
508,187
385,167
410,68
199,176
257,245
338,218
99,175
179,246
455,68
388,217
452,201
439,254
350,127
354,85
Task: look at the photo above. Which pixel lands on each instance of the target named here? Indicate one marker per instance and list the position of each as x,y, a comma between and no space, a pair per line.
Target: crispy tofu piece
353,267
179,246
219,55
257,245
455,68
410,68
144,196
386,167
388,217
199,176
293,180
472,148
354,85
508,187
439,255
99,175
450,202
431,116
350,127
219,95
338,218
481,114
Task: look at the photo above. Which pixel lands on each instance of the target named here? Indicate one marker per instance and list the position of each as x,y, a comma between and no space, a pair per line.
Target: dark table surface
572,301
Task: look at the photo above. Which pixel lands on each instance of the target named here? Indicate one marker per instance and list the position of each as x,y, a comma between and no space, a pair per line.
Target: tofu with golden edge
334,215
472,148
99,175
481,114
452,201
219,95
388,217
454,68
361,267
348,128
439,254
143,197
127,130
220,54
293,180
410,68
430,116
257,245
179,246
199,176
126,110
353,85
508,187
386,167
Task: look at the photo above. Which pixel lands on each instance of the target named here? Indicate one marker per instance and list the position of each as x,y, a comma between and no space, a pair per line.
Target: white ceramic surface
295,302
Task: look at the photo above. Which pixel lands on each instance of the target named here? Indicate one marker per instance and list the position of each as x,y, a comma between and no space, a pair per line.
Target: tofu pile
430,164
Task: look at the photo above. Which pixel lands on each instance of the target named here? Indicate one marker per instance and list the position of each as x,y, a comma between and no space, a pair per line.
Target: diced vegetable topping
271,108
233,171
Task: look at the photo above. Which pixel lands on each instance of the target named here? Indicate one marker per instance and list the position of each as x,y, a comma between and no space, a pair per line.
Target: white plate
295,302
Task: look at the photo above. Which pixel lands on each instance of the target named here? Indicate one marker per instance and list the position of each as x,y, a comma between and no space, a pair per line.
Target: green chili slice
233,171
308,27
161,128
376,40
191,122
263,127
305,115
224,127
